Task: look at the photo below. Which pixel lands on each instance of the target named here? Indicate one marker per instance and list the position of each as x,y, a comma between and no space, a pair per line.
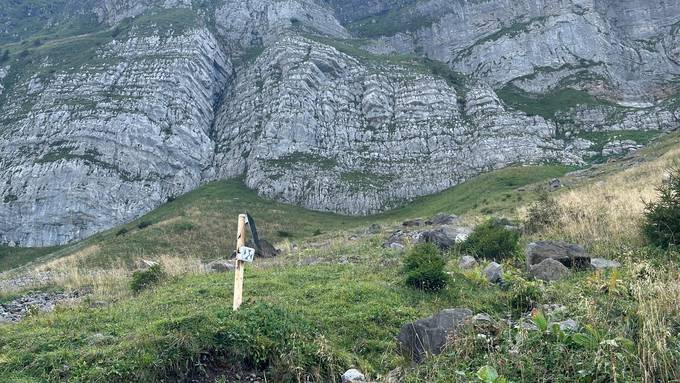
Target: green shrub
524,296
491,240
184,226
122,231
424,268
143,279
662,217
542,214
144,224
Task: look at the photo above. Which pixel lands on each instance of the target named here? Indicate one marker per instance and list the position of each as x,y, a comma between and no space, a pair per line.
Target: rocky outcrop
84,150
629,42
310,125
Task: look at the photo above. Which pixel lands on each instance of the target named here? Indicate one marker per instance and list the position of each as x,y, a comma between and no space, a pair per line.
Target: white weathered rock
353,376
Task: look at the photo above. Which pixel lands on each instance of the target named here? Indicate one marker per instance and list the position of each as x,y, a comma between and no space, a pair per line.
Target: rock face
160,97
428,336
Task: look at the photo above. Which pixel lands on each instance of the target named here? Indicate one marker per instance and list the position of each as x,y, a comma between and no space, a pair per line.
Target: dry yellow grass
609,210
658,308
69,262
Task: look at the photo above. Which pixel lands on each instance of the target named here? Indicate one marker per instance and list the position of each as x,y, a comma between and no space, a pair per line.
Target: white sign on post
245,254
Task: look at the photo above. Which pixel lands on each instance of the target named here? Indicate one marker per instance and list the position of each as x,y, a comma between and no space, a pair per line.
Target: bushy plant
542,214
662,217
143,279
144,224
524,296
491,240
424,268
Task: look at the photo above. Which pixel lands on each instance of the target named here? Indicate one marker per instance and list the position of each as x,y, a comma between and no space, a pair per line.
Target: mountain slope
111,108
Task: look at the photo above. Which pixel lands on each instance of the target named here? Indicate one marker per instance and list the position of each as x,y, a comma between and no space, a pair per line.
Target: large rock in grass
438,237
570,255
549,270
493,272
429,335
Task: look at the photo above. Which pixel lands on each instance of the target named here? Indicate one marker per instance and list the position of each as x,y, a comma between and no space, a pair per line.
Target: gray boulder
549,270
493,272
570,255
438,237
429,335
467,262
601,263
267,250
353,376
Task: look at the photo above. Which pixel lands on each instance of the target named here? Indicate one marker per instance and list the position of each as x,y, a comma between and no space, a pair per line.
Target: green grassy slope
202,223
335,317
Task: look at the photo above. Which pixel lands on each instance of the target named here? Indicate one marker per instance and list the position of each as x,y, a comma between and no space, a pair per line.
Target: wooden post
240,265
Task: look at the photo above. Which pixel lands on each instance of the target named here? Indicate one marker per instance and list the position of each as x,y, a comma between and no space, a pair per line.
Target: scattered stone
429,335
442,219
570,255
99,339
493,272
397,246
555,184
601,263
413,223
353,376
567,325
26,280
552,308
467,262
17,309
527,325
549,270
98,304
145,264
374,229
221,266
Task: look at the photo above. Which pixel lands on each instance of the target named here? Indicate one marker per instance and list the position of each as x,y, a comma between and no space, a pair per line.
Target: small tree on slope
662,217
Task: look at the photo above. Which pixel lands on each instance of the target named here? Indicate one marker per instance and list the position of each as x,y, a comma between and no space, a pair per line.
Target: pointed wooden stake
240,265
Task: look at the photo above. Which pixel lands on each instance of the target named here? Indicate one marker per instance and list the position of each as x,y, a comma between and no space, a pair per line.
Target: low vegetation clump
144,279
492,240
424,268
144,224
544,213
524,296
662,217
